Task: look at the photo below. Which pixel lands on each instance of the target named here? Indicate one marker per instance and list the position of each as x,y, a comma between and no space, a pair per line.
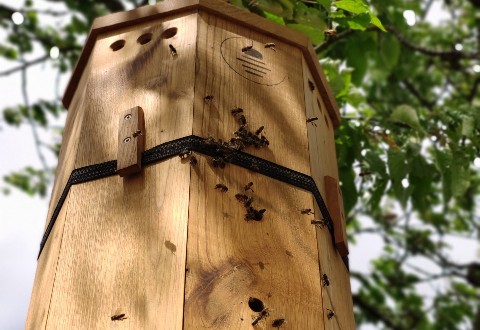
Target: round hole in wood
144,38
117,45
169,33
326,120
255,304
319,105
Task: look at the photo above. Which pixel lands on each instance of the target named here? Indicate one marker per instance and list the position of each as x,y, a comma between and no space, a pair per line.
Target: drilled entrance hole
117,45
255,304
169,33
144,38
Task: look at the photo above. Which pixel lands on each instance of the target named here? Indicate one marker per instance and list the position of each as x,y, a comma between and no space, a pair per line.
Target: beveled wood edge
222,9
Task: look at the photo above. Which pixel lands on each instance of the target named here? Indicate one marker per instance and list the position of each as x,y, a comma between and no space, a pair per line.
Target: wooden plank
335,208
124,250
230,260
131,141
145,75
217,8
45,276
336,296
279,108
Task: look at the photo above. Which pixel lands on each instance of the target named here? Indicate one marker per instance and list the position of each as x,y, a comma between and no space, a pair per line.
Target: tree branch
423,101
24,65
375,312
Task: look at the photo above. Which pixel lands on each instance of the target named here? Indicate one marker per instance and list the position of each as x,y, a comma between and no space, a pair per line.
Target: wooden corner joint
335,208
131,141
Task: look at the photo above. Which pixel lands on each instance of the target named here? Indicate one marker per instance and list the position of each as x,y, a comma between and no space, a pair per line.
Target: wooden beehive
163,247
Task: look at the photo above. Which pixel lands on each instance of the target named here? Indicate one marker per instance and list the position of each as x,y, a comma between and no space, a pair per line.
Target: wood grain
230,259
217,8
335,208
131,141
337,296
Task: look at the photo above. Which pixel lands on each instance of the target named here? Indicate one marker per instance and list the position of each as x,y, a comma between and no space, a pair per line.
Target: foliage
409,136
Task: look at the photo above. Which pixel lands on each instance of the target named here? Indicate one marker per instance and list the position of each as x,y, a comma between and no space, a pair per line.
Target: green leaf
389,51
397,165
405,114
12,116
309,16
375,21
468,125
353,6
274,18
316,36
327,4
359,22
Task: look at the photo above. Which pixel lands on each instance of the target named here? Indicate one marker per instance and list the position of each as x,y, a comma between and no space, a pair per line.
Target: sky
22,218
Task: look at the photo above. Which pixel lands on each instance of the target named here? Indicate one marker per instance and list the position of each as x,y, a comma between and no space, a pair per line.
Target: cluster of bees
252,213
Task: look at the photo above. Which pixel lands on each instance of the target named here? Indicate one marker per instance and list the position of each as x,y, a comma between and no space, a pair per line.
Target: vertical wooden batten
118,254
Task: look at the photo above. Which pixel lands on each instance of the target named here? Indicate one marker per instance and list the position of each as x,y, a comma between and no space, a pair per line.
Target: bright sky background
22,218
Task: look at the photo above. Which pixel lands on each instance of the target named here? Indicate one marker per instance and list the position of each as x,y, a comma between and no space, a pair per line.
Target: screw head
127,139
127,117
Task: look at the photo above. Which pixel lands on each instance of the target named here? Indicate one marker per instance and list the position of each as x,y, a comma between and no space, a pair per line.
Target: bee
242,120
248,202
320,223
185,153
241,198
248,186
208,98
119,315
330,313
330,33
264,141
263,314
221,187
137,133
325,280
173,51
307,211
236,111
247,48
311,120
311,85
193,160
259,130
218,162
253,214
270,45
278,322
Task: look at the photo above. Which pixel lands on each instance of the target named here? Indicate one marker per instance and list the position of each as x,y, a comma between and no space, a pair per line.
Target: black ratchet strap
204,146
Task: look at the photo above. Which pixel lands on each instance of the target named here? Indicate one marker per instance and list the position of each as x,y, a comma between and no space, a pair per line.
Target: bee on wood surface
242,120
118,317
278,322
253,214
263,314
270,45
218,162
208,98
241,198
137,133
325,280
264,141
221,187
193,160
330,313
173,51
321,223
248,202
247,48
259,130
185,153
236,111
307,211
248,186
312,121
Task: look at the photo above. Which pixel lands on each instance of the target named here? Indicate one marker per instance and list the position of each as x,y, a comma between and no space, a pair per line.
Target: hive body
164,247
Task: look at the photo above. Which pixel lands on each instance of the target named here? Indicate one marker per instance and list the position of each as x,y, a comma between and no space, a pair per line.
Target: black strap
204,146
